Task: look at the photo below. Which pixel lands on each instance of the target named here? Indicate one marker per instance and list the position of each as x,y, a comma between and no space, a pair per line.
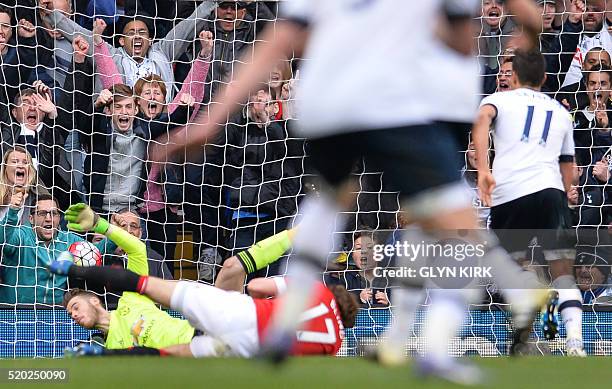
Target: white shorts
228,319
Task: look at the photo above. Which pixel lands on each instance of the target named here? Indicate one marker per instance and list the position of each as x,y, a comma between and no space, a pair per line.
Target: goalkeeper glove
82,218
62,266
83,350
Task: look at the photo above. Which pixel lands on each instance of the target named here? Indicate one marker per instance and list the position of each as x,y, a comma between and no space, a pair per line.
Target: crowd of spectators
88,86
576,42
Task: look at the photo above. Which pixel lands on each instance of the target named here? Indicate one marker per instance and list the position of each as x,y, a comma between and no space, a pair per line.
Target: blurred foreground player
137,321
232,322
533,170
374,68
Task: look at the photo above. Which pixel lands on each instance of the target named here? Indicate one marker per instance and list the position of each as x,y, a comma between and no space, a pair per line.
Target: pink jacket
194,84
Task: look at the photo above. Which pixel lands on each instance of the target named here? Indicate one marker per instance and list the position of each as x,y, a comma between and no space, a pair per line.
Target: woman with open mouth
17,173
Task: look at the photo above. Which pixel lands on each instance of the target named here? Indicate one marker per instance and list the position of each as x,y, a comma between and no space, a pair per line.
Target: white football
85,254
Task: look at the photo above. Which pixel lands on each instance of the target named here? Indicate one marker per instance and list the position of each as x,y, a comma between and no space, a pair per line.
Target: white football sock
444,318
314,240
570,305
405,305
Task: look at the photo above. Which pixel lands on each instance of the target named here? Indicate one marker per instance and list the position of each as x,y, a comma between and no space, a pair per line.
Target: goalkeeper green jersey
137,321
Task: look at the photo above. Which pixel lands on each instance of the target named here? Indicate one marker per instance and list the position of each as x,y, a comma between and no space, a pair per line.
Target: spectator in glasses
28,249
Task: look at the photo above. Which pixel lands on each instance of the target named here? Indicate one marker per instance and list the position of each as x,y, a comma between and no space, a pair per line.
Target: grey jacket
492,42
229,46
162,53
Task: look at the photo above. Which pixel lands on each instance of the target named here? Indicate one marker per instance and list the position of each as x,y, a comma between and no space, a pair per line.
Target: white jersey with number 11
531,132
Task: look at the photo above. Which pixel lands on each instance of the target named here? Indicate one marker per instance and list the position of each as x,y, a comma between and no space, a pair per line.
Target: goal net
88,87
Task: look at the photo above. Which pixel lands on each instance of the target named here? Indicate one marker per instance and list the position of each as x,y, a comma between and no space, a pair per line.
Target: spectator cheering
17,173
359,276
574,96
497,29
260,200
18,59
138,57
42,130
27,250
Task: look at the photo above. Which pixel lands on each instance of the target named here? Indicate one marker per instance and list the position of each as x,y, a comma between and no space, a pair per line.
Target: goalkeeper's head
84,307
528,70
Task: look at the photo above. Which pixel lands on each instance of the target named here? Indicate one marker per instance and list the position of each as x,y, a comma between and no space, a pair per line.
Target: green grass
172,373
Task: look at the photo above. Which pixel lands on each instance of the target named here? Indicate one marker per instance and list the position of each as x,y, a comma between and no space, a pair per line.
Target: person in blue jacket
29,248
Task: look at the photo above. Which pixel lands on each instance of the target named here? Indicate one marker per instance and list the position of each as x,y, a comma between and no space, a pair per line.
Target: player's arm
480,137
567,169
527,14
135,249
84,349
203,346
457,28
261,288
277,42
567,164
82,218
178,350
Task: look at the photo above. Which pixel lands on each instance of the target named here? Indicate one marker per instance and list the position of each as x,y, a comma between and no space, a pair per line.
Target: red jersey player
322,329
235,324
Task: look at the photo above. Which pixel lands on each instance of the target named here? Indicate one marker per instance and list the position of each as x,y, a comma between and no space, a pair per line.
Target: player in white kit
368,89
532,172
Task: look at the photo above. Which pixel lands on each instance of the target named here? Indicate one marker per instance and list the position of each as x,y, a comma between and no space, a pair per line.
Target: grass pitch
174,373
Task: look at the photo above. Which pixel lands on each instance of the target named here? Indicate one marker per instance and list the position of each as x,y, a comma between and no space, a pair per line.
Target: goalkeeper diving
219,322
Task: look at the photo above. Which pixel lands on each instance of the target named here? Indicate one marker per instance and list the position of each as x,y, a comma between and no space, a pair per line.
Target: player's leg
391,350
232,275
569,300
118,279
558,242
513,223
421,163
256,257
158,290
228,318
200,347
316,235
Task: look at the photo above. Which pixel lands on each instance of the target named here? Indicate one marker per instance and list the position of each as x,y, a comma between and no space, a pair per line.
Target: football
85,254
